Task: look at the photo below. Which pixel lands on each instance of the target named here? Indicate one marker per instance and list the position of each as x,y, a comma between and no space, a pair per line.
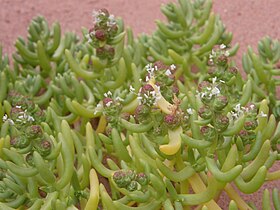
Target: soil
249,21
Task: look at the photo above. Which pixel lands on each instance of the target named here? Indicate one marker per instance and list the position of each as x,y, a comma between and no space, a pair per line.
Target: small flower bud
107,102
208,132
167,93
147,95
229,73
43,147
172,121
112,110
203,86
160,65
146,89
121,179
101,52
92,30
29,159
206,99
222,60
34,131
15,112
221,123
216,72
30,106
108,130
212,71
17,99
205,112
142,179
175,89
159,129
20,142
233,70
104,11
110,52
220,102
142,112
113,29
131,174
252,110
247,136
250,124
100,35
39,116
133,185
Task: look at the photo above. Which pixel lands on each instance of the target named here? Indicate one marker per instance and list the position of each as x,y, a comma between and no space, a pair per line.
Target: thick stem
273,175
242,205
198,186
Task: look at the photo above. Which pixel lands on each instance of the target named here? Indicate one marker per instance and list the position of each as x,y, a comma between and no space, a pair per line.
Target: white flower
11,122
30,118
109,103
5,117
190,111
237,111
168,72
119,98
158,89
172,67
98,108
215,91
111,18
87,36
150,69
262,114
108,94
214,80
237,108
156,68
139,98
131,89
222,46
203,94
227,53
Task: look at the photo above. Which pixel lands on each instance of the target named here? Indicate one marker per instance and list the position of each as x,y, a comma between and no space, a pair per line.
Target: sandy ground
249,20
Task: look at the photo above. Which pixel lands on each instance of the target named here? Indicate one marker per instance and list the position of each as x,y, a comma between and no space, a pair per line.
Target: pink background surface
249,20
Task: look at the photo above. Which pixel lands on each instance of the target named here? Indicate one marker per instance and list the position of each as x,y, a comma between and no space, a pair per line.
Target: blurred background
249,20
